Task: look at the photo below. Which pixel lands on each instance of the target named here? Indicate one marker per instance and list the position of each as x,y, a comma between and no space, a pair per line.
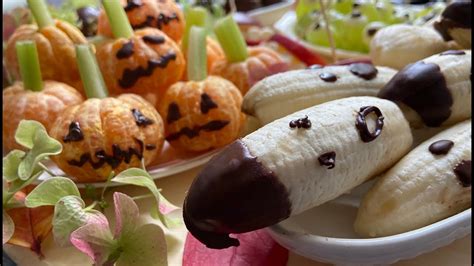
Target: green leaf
69,215
11,163
139,177
43,146
50,191
26,132
8,227
19,184
133,248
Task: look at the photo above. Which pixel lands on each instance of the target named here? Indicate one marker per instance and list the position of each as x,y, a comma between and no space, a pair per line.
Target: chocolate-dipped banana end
234,193
455,23
437,88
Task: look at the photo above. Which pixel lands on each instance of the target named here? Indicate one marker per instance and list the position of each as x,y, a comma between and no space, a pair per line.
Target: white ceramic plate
326,234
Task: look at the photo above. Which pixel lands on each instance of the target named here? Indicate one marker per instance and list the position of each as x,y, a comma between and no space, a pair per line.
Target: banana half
293,164
435,91
285,93
431,183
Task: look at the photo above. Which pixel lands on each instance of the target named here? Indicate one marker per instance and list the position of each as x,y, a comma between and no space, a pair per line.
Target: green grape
343,6
428,13
385,10
337,22
401,16
354,27
369,10
304,22
318,35
305,7
370,30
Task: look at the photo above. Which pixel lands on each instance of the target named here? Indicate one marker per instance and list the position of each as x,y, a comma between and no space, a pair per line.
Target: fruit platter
161,132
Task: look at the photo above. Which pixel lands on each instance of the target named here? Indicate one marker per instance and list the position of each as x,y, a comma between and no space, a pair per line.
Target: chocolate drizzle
361,123
363,70
132,4
422,87
160,21
140,119
453,52
75,133
328,77
118,156
463,172
194,132
206,103
441,147
328,159
301,123
126,51
153,39
173,113
165,20
234,193
131,76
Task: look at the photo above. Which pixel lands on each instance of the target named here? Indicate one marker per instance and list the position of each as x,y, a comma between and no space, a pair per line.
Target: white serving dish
326,234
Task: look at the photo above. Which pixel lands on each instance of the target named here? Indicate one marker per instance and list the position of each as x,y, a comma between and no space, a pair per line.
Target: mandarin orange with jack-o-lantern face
164,15
146,62
104,135
201,115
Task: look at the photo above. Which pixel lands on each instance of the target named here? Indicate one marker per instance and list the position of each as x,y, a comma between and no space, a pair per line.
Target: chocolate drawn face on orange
104,135
164,15
149,62
202,115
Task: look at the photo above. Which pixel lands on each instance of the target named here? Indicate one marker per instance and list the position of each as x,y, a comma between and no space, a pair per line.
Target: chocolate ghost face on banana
293,164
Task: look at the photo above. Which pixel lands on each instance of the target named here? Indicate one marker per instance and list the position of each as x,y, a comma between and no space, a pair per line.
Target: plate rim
453,227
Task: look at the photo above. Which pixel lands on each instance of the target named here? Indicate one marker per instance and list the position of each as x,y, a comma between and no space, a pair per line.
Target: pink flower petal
256,248
94,239
126,215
